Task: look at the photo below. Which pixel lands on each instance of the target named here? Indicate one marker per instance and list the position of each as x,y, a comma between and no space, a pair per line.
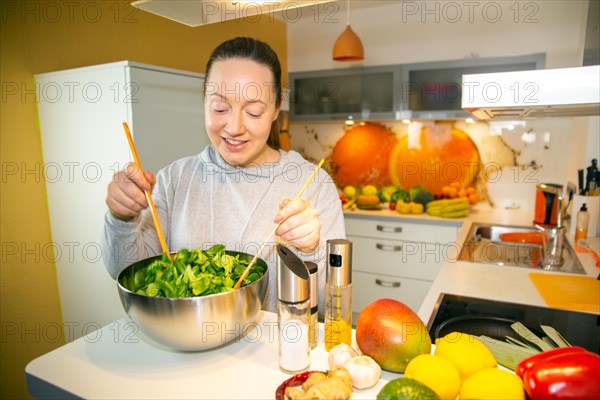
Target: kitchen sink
484,245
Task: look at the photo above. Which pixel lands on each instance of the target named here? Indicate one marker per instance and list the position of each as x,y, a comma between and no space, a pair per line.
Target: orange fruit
448,158
362,155
473,198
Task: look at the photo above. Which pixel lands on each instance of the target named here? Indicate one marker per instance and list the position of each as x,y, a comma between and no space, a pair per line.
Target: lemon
350,191
468,354
435,372
492,384
369,190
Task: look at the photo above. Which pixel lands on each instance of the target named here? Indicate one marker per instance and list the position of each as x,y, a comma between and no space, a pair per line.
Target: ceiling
202,12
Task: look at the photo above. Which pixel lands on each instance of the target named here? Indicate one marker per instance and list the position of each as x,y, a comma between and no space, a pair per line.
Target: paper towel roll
593,206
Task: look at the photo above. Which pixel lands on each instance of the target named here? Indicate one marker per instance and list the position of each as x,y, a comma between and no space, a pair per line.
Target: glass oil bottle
313,326
338,293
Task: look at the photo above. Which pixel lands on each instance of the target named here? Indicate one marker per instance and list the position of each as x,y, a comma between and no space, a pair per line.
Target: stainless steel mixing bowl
195,323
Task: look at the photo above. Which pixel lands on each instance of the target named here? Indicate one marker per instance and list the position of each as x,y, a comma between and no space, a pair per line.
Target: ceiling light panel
202,12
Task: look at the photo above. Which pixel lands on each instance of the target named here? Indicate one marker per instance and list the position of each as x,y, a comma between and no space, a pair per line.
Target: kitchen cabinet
355,93
433,89
80,117
430,90
397,258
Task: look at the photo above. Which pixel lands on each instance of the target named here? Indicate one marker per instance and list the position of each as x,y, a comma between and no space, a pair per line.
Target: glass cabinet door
342,94
433,89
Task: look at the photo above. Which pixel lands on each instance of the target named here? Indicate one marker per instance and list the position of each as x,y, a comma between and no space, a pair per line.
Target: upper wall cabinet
419,91
356,93
433,90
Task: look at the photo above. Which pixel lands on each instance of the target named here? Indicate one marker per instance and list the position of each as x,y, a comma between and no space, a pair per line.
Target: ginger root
337,385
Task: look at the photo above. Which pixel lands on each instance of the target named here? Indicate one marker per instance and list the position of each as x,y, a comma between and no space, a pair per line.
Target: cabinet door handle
388,284
385,247
389,229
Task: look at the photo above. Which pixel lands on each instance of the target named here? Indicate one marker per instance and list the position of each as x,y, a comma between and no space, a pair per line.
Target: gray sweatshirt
201,200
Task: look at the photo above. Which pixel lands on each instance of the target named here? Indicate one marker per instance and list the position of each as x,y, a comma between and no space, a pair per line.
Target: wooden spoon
247,270
136,159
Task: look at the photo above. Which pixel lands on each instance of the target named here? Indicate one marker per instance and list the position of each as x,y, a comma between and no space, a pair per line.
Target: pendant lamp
348,46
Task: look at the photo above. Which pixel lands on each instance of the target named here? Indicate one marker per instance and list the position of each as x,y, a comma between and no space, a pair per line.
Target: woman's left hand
299,224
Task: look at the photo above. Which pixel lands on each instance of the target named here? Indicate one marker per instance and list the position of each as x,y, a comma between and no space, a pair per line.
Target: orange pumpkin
443,155
362,155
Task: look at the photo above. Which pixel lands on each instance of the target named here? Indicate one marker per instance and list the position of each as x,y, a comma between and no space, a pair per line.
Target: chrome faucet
553,235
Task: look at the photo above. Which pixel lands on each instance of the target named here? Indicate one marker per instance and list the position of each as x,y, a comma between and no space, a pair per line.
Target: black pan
477,325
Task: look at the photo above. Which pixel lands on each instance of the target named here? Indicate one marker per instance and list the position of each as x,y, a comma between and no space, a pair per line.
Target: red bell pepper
529,362
295,380
570,375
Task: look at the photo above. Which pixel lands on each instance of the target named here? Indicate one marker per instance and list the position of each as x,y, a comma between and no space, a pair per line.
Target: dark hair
260,52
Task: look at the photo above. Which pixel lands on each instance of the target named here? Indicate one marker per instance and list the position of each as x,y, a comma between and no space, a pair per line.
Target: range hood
560,92
202,12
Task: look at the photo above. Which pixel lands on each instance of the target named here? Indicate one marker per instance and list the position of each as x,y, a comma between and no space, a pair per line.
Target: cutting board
579,293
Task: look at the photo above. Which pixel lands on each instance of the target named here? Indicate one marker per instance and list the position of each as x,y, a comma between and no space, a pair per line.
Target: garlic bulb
364,371
340,354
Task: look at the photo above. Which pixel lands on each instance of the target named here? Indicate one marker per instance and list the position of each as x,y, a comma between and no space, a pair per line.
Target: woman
238,188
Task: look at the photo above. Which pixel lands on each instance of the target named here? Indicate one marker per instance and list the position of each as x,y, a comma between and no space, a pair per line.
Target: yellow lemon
468,354
435,372
492,384
369,190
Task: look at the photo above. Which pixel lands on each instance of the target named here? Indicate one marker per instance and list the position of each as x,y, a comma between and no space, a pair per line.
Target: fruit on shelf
369,190
422,197
449,208
367,201
350,191
386,192
409,208
455,190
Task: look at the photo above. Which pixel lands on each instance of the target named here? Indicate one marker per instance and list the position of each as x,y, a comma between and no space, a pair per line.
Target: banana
435,211
447,202
456,214
455,207
347,205
449,208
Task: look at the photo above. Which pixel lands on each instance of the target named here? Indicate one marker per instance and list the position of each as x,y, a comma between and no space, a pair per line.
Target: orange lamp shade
348,47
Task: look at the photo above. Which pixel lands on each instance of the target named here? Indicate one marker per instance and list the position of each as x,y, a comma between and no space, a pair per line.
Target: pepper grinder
293,310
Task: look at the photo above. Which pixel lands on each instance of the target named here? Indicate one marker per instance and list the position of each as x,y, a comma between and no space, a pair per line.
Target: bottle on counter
338,293
313,327
583,219
293,311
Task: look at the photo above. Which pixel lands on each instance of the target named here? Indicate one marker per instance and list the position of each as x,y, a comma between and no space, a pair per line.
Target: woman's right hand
126,197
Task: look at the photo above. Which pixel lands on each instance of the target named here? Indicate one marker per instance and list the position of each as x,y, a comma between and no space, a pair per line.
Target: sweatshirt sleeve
125,242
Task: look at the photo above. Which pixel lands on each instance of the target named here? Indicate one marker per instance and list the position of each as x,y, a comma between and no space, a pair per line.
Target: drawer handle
389,284
389,229
384,247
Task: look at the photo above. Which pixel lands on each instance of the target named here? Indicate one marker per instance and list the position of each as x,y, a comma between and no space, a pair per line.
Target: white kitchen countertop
492,282
118,362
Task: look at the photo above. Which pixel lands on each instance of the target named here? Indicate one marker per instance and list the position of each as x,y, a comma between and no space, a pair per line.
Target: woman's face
239,109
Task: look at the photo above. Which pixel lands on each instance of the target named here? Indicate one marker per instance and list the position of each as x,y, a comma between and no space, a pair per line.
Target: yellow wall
42,36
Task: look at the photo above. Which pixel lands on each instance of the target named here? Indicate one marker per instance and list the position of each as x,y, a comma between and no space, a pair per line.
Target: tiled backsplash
528,152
